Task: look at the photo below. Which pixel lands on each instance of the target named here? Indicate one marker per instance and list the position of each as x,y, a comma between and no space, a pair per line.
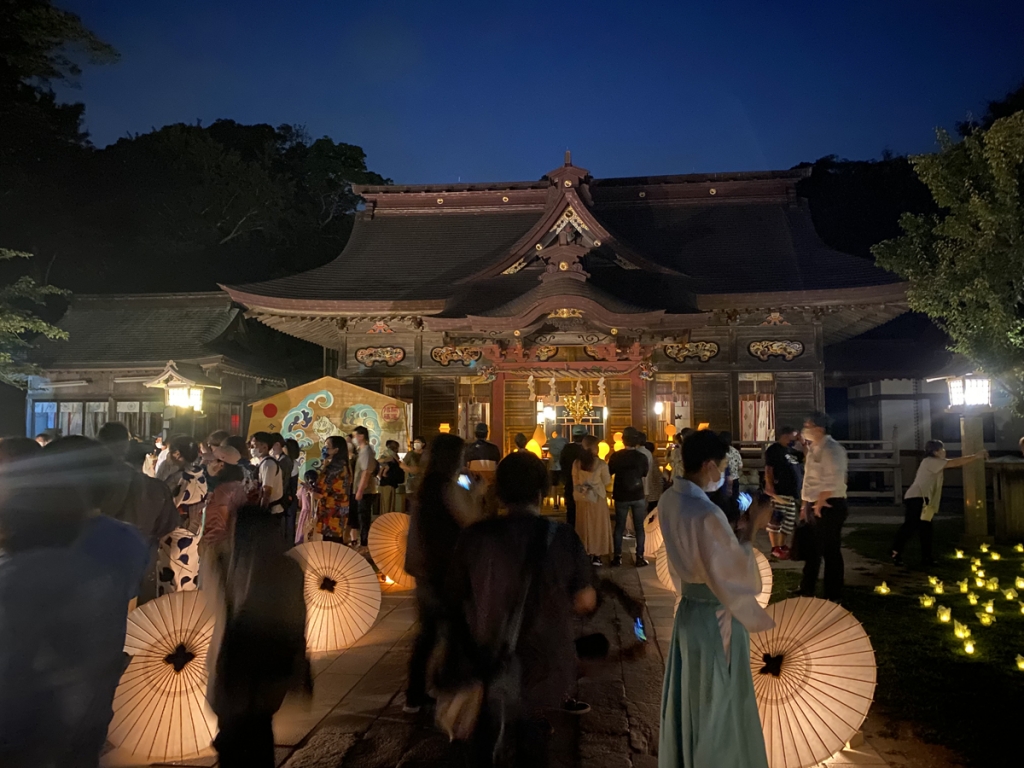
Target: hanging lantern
882,589
927,601
944,614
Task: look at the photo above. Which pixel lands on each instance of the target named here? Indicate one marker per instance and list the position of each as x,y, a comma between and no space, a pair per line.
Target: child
307,507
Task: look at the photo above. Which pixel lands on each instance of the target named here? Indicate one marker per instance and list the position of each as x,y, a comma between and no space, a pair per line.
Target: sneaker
786,553
641,562
616,561
777,553
628,535
595,561
410,709
574,707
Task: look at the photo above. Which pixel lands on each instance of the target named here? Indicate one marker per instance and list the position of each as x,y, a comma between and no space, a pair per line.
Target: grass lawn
973,704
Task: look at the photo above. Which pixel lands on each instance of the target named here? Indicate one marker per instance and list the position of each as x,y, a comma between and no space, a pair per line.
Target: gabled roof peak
568,175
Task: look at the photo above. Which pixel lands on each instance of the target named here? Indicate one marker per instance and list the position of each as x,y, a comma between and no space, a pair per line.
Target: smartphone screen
464,481
638,630
744,501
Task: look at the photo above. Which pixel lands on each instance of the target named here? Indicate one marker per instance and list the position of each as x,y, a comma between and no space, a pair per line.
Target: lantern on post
184,388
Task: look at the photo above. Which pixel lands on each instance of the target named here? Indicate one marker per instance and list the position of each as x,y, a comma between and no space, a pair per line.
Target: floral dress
332,487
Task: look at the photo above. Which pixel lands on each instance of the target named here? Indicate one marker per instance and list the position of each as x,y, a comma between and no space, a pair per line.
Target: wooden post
638,401
972,440
498,411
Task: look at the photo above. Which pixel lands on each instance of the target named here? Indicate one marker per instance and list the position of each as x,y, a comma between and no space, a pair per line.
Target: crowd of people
90,528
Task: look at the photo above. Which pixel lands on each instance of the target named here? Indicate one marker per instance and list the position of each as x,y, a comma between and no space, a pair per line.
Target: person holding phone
708,713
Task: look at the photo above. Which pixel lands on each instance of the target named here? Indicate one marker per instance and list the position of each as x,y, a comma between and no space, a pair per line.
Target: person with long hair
441,510
590,479
332,491
921,501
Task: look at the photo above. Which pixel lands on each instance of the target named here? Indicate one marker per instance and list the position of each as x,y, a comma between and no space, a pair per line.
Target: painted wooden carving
370,356
702,350
448,355
788,350
545,353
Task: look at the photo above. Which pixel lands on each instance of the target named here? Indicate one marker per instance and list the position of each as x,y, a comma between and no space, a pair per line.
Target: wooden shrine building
664,301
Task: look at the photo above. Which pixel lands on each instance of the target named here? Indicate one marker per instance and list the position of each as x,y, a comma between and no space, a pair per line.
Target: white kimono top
702,548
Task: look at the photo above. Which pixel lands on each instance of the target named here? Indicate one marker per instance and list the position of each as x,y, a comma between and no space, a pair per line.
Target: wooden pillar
497,424
972,440
638,401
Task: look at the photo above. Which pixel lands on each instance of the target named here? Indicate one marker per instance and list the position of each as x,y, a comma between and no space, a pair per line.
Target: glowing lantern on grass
969,647
992,585
980,573
990,606
933,580
974,567
1019,582
972,598
984,548
944,614
995,555
958,554
963,586
979,582
1010,594
961,631
882,589
927,601
940,588
986,619
1021,606
1018,547
1020,662
975,561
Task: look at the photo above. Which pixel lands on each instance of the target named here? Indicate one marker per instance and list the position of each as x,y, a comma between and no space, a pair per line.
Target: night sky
488,91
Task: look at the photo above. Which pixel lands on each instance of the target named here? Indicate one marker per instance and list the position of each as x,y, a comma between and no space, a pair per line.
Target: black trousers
912,523
825,543
523,745
570,507
246,741
429,609
364,508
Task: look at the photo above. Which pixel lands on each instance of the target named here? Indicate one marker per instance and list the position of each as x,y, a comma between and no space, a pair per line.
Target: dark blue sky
487,91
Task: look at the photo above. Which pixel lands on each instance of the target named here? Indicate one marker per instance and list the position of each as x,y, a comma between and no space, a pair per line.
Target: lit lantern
958,554
986,619
603,449
933,580
963,586
1010,594
1020,662
974,567
1021,606
944,614
975,561
961,630
183,386
990,606
980,573
1019,582
979,582
1018,547
994,555
968,647
972,598
940,588
984,548
992,585
619,445
882,589
927,601
538,438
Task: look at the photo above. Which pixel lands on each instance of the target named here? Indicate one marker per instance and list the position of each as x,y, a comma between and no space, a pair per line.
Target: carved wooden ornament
702,350
370,356
788,350
448,355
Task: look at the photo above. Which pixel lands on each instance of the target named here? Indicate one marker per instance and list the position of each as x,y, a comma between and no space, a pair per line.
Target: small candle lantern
927,601
994,555
939,588
992,585
958,554
961,631
1020,662
986,619
968,647
1019,582
1018,547
1010,594
944,614
990,606
984,548
963,586
972,598
882,589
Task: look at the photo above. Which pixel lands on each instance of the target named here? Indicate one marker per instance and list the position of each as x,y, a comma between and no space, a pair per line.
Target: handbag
458,710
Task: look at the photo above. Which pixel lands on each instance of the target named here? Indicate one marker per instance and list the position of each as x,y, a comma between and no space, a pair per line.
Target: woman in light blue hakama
709,716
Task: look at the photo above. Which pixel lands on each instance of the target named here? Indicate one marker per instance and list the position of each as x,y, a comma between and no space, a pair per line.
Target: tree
17,321
965,264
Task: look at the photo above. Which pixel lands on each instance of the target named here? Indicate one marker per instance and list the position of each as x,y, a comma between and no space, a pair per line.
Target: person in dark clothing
258,652
570,453
526,570
391,477
482,459
442,509
629,469
783,477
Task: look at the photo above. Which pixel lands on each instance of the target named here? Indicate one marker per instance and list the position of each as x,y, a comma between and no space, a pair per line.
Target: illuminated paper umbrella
814,678
160,709
763,567
342,594
388,536
652,529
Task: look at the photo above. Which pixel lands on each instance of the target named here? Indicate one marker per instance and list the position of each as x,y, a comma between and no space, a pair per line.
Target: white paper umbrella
763,567
767,579
652,529
342,594
814,678
389,535
160,709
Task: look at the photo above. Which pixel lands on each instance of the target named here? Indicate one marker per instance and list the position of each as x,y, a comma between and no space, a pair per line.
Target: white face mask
714,485
417,446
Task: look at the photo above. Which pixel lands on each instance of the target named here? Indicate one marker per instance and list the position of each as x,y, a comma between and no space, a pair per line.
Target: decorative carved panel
788,350
545,353
380,327
702,350
775,318
515,267
370,356
566,312
448,355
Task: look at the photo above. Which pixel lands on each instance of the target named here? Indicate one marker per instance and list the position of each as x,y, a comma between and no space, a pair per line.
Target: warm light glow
927,601
603,449
961,631
1021,606
1018,547
974,567
533,448
944,614
992,585
940,588
703,425
659,407
883,589
972,598
958,554
933,580
388,580
670,430
549,413
990,606
604,414
980,573
986,619
1019,582
444,428
979,583
969,647
185,397
994,555
963,586
983,548
1010,594
1020,662
969,390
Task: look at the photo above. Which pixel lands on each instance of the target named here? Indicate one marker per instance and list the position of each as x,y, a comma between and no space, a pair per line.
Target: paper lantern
975,561
963,586
979,582
992,585
968,646
814,679
1010,594
961,630
939,588
984,548
1020,662
986,619
933,580
1021,606
883,589
603,449
927,601
1019,582
958,554
974,567
160,708
944,614
980,573
972,598
670,431
388,539
990,606
994,555
342,594
1018,547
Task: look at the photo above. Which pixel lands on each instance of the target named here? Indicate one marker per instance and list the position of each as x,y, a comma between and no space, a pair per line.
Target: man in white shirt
824,507
365,482
270,477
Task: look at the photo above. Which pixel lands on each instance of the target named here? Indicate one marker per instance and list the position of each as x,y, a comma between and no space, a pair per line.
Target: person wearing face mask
708,713
824,506
365,482
922,498
412,465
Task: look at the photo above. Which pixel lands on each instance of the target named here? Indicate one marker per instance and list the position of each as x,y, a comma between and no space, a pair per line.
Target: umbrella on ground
652,528
388,536
763,567
160,709
814,678
342,594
